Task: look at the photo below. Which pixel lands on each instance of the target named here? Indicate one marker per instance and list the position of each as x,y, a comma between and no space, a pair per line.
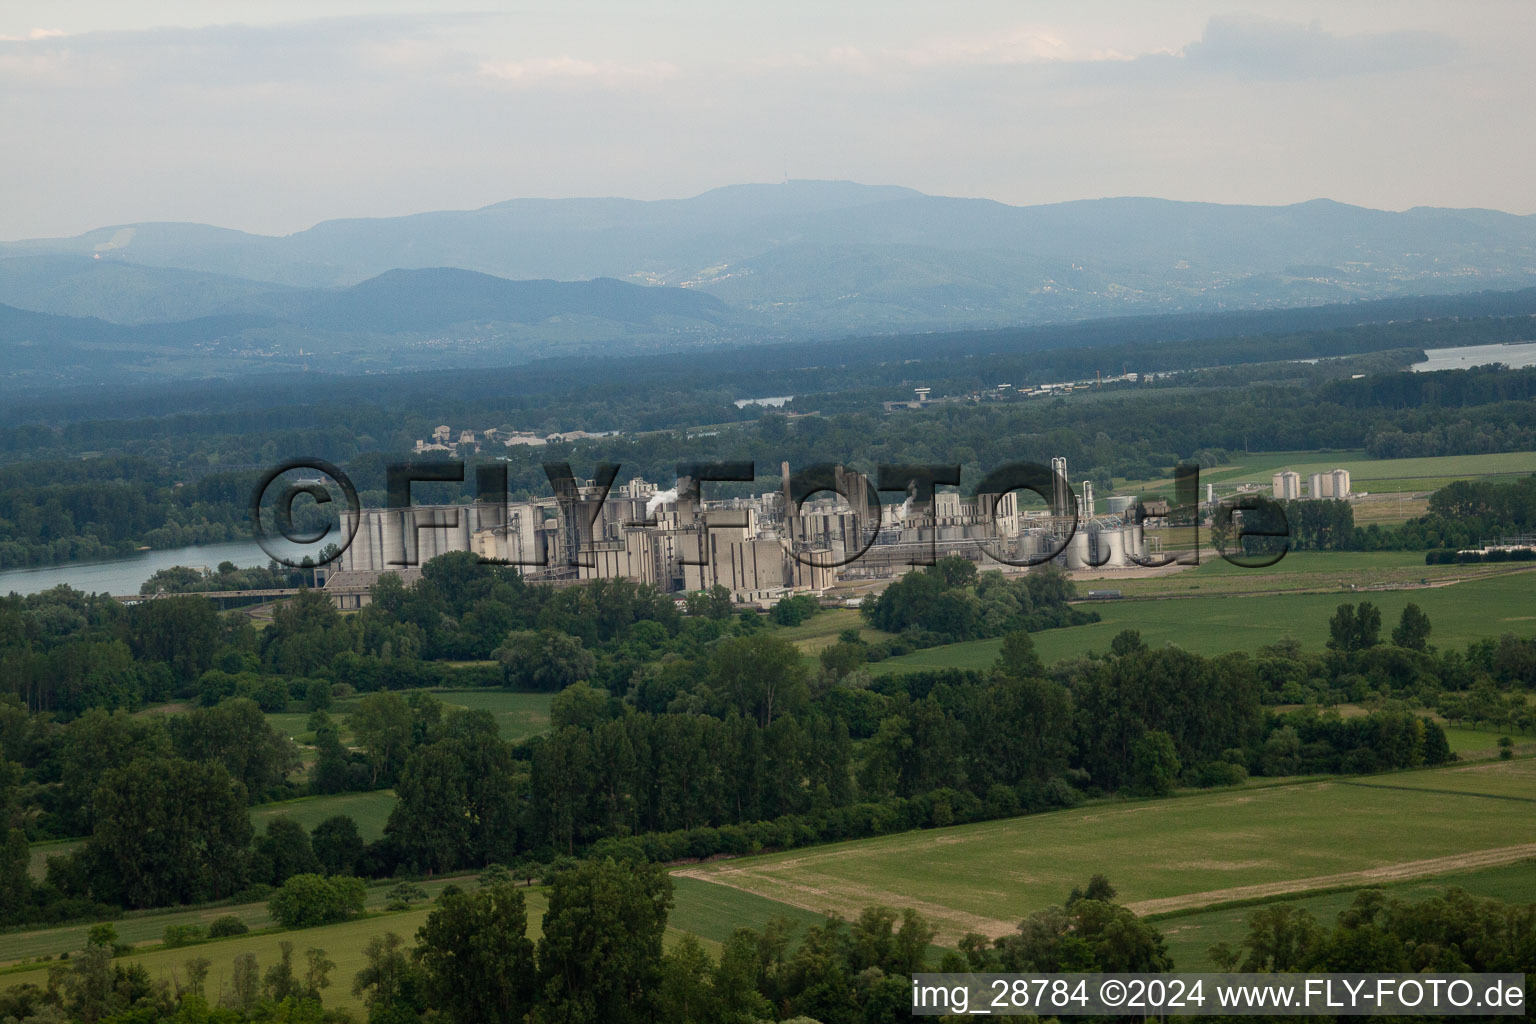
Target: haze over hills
399,319
812,258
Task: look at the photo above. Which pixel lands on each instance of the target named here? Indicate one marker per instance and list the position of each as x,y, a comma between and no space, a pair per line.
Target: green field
1366,474
1298,571
343,943
148,926
1182,854
519,715
1216,624
1189,936
369,810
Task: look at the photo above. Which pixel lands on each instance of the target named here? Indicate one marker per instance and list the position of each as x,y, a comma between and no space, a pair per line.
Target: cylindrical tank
1078,551
1112,547
393,540
1119,504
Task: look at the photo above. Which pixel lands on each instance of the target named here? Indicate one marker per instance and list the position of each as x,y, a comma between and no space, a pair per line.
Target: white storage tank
1119,504
1078,551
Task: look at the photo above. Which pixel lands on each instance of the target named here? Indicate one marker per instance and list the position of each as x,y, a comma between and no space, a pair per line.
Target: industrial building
1287,486
760,548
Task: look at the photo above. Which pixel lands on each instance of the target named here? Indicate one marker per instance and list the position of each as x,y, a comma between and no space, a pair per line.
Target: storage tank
1078,551
1119,504
1112,547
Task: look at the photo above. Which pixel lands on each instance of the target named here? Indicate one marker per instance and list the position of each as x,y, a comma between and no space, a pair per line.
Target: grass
1366,473
1300,571
369,810
713,912
148,926
1162,855
1507,780
1190,936
343,943
1218,624
520,716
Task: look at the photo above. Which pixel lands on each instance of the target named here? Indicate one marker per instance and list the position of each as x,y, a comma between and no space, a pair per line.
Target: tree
168,831
1354,628
1127,642
579,704
546,661
1154,764
317,972
387,983
600,956
307,900
283,852
457,805
329,773
1412,630
1018,659
280,982
759,675
337,845
382,725
477,957
236,734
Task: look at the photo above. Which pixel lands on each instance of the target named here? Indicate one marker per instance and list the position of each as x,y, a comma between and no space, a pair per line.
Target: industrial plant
760,548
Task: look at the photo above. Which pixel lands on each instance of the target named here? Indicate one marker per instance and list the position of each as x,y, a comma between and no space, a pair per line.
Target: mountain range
803,259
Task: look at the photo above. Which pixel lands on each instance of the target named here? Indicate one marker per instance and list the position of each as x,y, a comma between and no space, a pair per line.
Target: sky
271,116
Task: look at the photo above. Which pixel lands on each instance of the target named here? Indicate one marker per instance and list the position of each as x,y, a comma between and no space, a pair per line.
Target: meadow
1182,854
1190,936
369,810
1217,624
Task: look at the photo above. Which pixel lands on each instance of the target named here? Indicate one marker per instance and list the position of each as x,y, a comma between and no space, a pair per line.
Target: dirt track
1388,873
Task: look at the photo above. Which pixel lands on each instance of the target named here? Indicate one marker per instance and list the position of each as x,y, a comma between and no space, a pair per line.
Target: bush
307,900
223,927
177,935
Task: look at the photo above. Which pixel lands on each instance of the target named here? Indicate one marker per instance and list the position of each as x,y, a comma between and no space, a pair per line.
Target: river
123,575
1512,355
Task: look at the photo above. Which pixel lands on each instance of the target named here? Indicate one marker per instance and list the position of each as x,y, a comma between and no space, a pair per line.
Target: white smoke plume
658,499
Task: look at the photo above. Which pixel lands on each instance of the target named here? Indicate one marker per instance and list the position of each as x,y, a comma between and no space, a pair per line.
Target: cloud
1267,50
33,36
571,69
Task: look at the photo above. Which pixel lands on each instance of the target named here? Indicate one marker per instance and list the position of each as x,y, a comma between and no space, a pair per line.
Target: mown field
1164,856
1218,624
1190,936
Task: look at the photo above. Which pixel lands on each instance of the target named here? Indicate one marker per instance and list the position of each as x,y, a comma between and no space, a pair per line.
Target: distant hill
818,258
427,300
403,317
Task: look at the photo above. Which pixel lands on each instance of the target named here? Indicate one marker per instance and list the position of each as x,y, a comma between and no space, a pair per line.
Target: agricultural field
1366,474
1190,936
1322,571
1182,854
1460,613
140,928
343,943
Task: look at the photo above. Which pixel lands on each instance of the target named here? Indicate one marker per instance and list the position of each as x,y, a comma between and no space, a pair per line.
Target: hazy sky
270,116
